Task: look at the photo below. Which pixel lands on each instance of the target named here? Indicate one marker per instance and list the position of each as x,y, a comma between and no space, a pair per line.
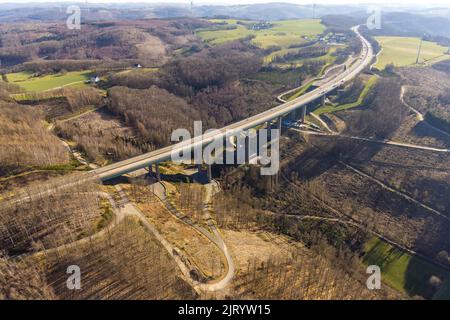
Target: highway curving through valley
164,154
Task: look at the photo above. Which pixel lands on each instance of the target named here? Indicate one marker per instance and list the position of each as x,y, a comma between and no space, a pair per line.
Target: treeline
340,23
305,276
326,268
214,67
61,102
203,86
99,141
209,68
354,47
351,93
303,53
442,66
135,79
42,219
283,212
385,112
116,40
24,141
6,89
23,280
154,112
99,67
438,118
127,262
190,200
368,35
55,66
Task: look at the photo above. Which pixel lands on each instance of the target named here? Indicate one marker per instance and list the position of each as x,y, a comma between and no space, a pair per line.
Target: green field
48,82
329,109
328,58
401,270
402,51
283,33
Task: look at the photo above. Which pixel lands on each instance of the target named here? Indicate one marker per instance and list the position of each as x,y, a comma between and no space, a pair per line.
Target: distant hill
92,12
413,25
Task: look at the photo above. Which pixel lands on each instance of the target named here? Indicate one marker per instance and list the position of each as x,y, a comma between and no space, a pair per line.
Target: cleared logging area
24,141
279,267
39,220
127,263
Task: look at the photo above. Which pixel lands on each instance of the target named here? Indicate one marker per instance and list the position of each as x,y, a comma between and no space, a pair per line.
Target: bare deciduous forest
127,263
37,220
304,233
25,142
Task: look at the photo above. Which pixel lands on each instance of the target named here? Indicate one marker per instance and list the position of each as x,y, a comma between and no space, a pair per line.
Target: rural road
352,222
125,208
216,238
420,116
373,140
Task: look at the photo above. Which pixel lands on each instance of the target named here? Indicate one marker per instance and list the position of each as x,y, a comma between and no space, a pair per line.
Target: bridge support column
258,138
209,172
303,114
294,115
224,150
279,122
158,174
247,149
150,169
240,151
324,97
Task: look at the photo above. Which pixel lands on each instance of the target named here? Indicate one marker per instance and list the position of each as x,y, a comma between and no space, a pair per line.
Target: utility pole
418,52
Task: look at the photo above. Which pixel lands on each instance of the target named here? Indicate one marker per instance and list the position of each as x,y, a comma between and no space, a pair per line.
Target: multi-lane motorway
164,154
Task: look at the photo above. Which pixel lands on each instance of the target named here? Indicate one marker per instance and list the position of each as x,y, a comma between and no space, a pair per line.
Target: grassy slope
48,82
329,109
283,33
399,269
402,51
328,58
306,86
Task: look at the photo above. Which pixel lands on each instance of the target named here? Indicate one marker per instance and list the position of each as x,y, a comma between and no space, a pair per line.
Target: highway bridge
276,113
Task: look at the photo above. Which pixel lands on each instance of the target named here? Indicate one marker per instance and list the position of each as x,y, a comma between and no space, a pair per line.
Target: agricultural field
402,51
328,58
48,82
282,33
400,270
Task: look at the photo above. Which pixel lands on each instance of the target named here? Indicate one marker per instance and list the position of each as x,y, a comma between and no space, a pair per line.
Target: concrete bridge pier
157,172
324,97
294,115
247,149
303,113
240,152
209,172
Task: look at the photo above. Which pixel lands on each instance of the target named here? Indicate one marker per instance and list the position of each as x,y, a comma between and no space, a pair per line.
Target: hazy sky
218,2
